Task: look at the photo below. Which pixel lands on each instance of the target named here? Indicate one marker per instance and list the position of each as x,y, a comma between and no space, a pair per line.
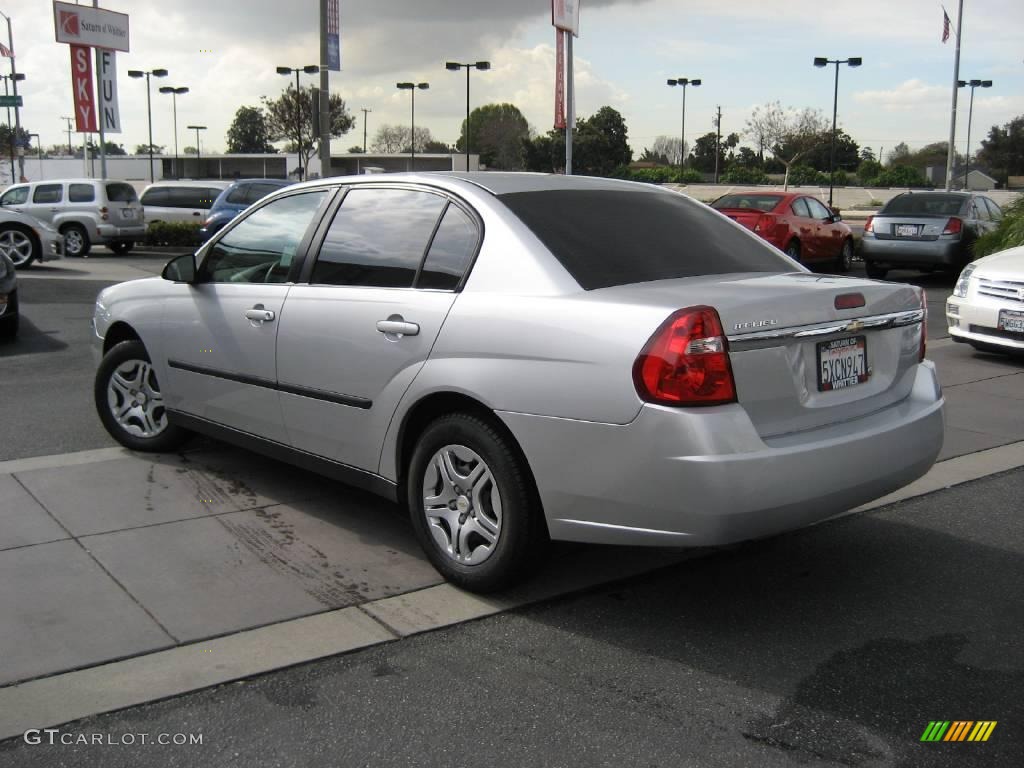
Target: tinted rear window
121,193
612,237
924,204
758,202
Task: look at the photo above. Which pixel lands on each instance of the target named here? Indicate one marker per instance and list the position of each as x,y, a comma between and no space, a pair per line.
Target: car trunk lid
748,217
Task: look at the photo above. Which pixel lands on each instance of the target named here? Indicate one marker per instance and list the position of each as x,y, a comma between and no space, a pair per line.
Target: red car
802,226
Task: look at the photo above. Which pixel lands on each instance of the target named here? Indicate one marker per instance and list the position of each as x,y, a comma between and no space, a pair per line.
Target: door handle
196,213
259,315
397,328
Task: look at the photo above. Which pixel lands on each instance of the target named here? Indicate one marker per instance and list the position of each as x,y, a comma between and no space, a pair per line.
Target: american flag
945,25
6,52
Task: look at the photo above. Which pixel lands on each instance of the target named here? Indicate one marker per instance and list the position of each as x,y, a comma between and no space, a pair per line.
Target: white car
986,309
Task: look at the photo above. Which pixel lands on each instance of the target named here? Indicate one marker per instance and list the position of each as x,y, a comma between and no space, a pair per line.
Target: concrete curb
62,698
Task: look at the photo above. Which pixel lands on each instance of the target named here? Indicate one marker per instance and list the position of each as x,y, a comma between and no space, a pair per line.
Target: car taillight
103,213
765,223
954,226
868,224
924,325
686,361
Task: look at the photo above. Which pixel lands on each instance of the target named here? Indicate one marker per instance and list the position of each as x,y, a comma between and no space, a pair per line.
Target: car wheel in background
17,244
129,401
473,504
844,261
874,271
76,240
121,247
793,250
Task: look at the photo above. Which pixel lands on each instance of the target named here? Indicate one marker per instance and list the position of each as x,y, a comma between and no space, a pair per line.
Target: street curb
62,698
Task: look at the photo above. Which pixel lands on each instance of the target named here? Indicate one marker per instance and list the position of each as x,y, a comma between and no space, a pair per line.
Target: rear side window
238,194
81,193
924,204
259,191
980,210
157,196
617,237
121,193
15,196
190,197
48,193
995,210
450,252
378,238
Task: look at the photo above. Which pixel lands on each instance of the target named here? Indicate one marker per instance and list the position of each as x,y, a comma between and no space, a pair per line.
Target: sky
746,52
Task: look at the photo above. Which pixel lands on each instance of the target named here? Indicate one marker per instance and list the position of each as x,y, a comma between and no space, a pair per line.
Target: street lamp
682,133
819,61
970,114
137,73
175,92
14,77
14,83
309,69
411,88
365,113
455,66
199,154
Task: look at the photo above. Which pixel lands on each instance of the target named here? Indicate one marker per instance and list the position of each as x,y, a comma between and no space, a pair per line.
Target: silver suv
86,211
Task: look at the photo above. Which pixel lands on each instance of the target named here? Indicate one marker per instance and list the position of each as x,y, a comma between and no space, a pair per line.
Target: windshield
757,202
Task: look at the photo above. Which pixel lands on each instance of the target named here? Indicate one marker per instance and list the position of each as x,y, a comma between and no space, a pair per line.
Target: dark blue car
236,199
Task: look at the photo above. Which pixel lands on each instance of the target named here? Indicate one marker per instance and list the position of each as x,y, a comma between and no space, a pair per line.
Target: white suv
86,211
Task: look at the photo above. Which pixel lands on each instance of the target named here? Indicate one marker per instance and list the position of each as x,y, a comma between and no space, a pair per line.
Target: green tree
249,133
847,153
356,149
143,149
703,155
1003,150
190,151
289,118
900,154
108,146
867,153
868,171
496,133
23,139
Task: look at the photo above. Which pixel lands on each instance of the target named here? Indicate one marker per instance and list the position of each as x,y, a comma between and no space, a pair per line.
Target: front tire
844,261
76,241
129,401
793,250
19,246
473,504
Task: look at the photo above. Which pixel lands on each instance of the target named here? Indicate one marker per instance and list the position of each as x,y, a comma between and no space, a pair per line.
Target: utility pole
951,154
99,104
325,97
718,140
365,112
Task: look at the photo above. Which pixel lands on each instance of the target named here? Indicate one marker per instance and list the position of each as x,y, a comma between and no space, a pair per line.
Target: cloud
908,96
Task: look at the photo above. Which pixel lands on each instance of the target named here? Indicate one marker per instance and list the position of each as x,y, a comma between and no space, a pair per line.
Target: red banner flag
945,26
81,83
559,78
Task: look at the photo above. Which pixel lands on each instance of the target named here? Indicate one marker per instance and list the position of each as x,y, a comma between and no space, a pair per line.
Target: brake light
765,223
924,325
849,301
686,361
954,226
103,213
868,224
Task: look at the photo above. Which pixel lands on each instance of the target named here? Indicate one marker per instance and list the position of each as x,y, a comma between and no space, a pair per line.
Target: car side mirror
181,269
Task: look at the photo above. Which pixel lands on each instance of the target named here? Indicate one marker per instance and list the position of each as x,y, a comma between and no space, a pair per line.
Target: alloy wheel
17,246
135,401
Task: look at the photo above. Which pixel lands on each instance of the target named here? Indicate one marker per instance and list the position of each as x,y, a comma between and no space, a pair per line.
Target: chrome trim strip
890,320
613,527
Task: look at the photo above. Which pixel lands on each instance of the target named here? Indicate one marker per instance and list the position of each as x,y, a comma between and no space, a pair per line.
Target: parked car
518,357
801,225
235,199
25,239
926,230
8,298
86,212
180,201
986,309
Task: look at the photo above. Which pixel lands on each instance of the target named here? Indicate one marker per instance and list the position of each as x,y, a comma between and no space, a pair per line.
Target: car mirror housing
181,269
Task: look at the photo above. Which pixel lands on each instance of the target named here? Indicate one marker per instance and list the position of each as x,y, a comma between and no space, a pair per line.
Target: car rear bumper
944,252
109,232
977,319
702,477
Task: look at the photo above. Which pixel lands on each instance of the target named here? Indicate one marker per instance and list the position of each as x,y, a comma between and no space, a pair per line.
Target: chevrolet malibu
517,358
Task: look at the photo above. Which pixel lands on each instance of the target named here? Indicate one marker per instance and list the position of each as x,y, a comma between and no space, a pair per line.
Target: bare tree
392,139
668,147
789,134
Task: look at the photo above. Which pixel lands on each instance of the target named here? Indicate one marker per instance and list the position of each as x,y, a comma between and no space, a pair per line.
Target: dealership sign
94,27
81,83
109,114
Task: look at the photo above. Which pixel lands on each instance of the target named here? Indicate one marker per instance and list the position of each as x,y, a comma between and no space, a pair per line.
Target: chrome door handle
397,327
259,315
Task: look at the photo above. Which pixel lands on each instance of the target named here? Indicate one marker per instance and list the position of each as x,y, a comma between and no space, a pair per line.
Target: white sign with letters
110,116
95,27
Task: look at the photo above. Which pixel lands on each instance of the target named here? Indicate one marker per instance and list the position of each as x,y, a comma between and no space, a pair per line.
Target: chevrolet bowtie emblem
854,325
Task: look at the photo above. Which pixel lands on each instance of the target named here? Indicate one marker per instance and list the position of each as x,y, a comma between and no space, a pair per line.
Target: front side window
48,193
15,196
191,197
817,209
378,238
156,196
260,249
238,194
81,193
800,208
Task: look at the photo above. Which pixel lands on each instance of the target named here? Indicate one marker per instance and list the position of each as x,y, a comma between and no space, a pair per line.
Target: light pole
365,112
136,73
682,132
199,154
309,69
175,92
455,66
411,88
69,121
819,61
970,114
15,78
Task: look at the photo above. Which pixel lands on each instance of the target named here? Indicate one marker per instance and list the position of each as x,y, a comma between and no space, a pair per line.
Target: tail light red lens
765,223
869,224
924,325
954,226
686,361
103,213
849,301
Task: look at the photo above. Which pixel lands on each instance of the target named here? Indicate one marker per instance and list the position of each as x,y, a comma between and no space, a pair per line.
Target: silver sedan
25,239
520,357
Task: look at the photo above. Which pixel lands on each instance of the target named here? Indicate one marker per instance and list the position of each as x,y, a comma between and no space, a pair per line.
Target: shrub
1009,233
173,233
744,176
900,176
800,175
661,175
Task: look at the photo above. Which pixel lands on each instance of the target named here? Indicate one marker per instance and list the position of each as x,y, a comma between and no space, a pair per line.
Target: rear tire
844,261
473,504
793,250
874,271
121,247
76,241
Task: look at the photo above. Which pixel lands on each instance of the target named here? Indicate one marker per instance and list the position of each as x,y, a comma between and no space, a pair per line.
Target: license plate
1011,320
842,363
127,213
907,230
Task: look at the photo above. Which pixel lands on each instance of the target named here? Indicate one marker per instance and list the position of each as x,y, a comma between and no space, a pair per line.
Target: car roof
222,183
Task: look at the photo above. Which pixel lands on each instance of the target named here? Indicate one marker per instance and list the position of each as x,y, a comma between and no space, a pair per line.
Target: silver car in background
25,239
524,357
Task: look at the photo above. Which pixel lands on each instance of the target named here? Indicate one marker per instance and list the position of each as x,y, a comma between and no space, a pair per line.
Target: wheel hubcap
16,246
73,240
462,505
134,398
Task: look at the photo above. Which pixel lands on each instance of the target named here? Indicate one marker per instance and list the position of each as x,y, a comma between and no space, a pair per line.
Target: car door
828,234
46,202
353,339
804,228
15,198
219,334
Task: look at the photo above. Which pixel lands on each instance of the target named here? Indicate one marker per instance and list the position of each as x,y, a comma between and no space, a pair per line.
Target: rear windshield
617,237
121,193
758,202
924,204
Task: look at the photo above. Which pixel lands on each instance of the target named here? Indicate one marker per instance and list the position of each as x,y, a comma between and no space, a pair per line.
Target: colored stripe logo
958,730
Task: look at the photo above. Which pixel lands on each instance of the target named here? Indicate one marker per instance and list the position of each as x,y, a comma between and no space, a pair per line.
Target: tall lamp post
411,88
682,132
15,79
365,113
309,69
199,154
455,66
175,92
970,114
819,61
137,73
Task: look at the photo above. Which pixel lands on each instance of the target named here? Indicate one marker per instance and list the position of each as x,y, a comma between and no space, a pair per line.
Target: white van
180,201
